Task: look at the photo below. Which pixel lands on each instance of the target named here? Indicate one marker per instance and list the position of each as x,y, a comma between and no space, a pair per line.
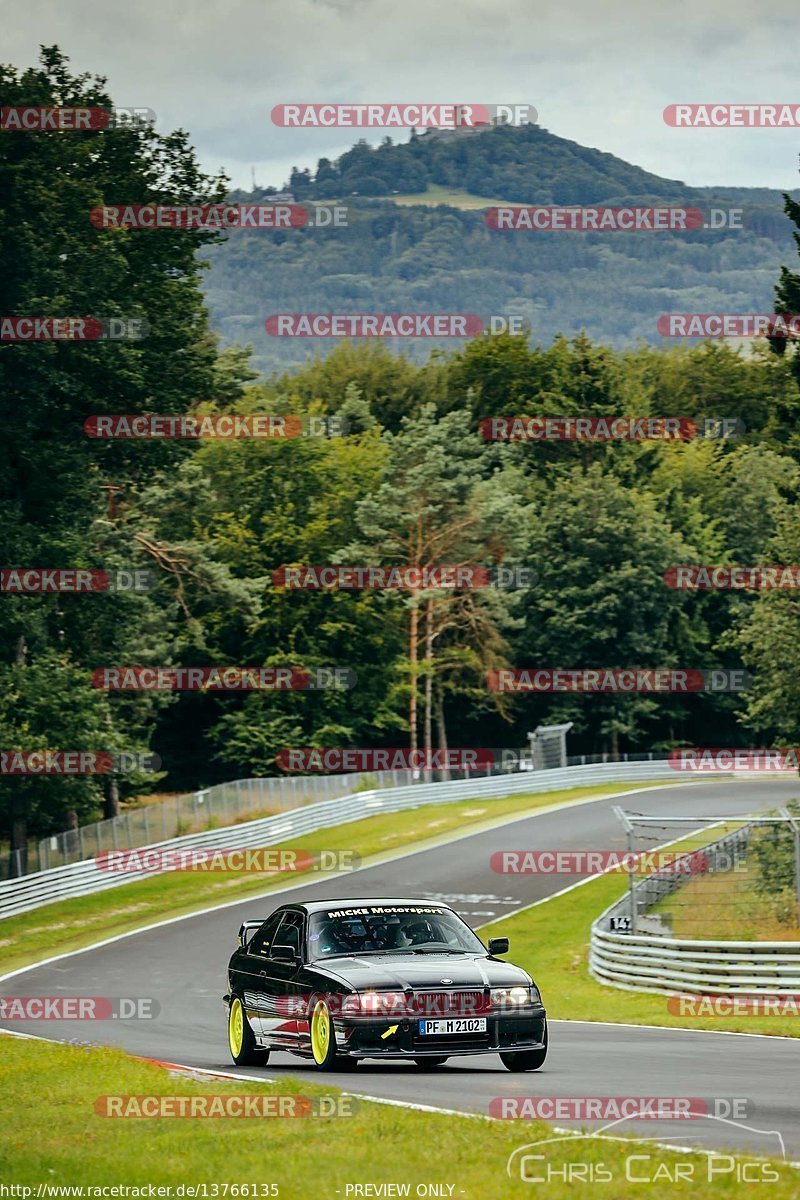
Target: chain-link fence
745,884
243,800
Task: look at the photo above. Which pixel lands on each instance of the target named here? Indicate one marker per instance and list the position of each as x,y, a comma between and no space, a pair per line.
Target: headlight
383,1004
514,997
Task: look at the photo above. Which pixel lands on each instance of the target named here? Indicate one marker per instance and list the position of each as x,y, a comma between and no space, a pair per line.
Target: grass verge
53,1136
728,906
453,197
72,924
551,940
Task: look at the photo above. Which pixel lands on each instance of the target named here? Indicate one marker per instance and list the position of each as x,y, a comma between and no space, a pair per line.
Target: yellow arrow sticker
392,1029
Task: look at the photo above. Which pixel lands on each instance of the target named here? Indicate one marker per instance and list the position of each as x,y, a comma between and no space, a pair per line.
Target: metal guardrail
221,804
652,963
86,877
226,803
668,965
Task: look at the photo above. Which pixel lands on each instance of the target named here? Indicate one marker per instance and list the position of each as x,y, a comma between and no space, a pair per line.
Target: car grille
456,1003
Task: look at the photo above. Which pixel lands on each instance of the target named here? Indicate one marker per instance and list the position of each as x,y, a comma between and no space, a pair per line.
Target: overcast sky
598,71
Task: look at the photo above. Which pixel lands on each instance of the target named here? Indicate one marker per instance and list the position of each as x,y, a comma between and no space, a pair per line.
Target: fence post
622,816
795,828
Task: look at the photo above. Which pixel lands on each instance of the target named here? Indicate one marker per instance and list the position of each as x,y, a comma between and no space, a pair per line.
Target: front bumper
524,1030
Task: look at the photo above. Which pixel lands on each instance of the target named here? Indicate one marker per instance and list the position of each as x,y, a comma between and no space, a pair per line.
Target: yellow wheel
323,1038
236,1028
241,1040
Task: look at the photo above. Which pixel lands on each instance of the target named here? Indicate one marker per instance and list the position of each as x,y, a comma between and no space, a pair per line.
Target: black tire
241,1039
525,1060
430,1064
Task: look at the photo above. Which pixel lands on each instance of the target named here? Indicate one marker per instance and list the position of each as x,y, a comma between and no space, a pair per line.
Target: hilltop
417,240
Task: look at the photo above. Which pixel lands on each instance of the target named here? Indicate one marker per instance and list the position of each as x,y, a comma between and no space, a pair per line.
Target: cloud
600,75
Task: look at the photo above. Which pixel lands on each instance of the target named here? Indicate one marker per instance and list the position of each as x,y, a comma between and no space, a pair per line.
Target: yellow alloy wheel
321,1032
236,1027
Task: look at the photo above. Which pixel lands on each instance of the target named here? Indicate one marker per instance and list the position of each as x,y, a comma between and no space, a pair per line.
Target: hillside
417,240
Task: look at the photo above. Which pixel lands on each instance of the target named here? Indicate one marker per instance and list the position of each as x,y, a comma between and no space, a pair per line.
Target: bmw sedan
334,981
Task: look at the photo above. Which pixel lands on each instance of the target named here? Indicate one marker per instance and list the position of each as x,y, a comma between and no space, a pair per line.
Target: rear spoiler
247,929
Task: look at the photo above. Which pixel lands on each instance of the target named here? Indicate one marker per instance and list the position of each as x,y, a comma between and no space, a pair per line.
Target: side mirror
498,945
285,954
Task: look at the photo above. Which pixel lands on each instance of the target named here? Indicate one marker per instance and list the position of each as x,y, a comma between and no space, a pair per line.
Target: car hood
403,971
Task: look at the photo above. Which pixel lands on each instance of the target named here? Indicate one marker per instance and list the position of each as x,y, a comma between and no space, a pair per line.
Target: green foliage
408,480
773,848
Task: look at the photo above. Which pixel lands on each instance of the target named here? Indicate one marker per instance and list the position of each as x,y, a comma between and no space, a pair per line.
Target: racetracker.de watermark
738,325
73,329
607,429
216,217
602,862
223,679
611,1108
163,1106
732,116
399,1005
76,762
353,325
50,118
346,759
36,581
566,218
78,1008
710,578
404,115
451,577
183,427
622,680
738,1005
264,861
734,758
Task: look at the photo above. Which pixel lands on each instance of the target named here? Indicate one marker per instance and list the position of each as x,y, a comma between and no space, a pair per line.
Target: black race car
339,980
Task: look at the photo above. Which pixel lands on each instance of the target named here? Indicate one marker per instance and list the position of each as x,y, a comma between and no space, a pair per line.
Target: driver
419,932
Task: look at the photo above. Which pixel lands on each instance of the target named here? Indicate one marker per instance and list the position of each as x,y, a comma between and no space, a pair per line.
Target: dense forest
400,475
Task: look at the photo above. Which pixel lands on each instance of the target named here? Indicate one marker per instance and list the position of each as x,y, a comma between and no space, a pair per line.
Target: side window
262,940
291,931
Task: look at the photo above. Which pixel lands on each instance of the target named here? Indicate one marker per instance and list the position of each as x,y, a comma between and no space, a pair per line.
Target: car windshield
389,930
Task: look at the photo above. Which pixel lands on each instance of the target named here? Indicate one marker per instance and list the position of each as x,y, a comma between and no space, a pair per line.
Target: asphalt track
182,965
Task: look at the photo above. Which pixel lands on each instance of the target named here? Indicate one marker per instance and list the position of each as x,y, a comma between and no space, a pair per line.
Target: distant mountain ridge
526,162
403,252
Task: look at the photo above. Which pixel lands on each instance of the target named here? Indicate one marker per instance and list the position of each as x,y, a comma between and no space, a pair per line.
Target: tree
599,550
440,504
54,481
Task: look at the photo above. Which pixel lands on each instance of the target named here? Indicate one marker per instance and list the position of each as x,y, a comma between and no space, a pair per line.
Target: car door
283,1002
254,974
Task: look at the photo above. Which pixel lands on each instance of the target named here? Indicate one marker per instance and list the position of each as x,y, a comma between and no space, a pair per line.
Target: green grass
551,940
454,197
727,906
52,1134
78,922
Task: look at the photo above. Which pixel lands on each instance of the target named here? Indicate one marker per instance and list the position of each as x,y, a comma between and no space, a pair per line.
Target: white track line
368,864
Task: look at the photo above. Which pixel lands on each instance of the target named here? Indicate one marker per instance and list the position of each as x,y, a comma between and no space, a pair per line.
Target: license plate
452,1026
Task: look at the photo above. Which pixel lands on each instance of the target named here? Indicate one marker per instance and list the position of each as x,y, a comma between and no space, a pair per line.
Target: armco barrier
669,965
651,963
82,878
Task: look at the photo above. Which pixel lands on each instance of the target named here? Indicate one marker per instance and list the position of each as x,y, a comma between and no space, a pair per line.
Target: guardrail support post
795,828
